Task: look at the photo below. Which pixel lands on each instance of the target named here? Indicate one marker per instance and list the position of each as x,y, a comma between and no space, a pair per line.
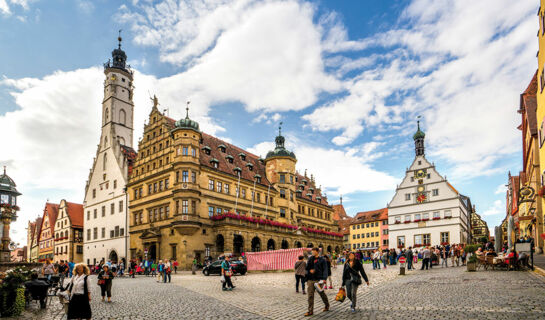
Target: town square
272,159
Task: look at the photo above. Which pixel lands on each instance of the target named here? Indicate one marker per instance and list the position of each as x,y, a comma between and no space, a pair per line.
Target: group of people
149,267
64,269
117,269
315,272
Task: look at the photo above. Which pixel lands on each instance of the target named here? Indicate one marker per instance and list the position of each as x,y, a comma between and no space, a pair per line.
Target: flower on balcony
425,219
268,222
417,245
416,220
397,222
400,246
436,218
407,221
444,243
9,206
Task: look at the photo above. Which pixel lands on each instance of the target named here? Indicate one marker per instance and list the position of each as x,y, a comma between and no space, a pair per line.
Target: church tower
117,106
105,205
419,141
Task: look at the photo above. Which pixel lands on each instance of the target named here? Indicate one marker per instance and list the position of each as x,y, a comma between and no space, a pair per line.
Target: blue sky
347,78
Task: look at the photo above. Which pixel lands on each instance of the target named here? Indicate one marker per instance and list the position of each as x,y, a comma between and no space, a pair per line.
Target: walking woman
105,277
351,278
226,273
300,273
80,296
328,261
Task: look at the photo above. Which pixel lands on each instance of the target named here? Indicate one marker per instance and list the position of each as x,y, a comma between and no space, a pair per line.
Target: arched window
105,161
122,116
121,140
106,115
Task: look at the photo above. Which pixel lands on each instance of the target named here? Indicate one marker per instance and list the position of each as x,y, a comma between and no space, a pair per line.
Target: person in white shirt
80,294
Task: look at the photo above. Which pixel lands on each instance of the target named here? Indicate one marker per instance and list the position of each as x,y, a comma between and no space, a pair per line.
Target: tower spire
187,109
119,38
418,138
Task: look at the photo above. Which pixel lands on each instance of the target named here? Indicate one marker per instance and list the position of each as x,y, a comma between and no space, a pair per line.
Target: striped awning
283,259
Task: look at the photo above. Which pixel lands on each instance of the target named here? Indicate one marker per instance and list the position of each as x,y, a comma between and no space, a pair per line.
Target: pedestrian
351,278
463,255
376,264
71,265
121,270
316,277
444,257
175,264
328,261
334,260
226,273
146,267
160,267
80,296
166,271
48,269
384,257
153,269
300,272
425,258
105,277
409,257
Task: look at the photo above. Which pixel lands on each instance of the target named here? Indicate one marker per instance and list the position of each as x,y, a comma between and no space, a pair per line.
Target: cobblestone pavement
440,293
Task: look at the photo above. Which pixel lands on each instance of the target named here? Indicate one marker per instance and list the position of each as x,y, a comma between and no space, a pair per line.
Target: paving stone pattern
440,293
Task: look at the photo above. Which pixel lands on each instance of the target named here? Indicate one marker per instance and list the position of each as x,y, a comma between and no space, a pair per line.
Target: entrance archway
152,252
256,244
238,244
310,245
219,244
298,244
270,244
285,244
113,256
337,249
329,249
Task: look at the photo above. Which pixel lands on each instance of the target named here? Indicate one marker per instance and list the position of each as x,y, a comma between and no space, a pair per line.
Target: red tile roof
131,155
258,168
342,219
369,216
52,211
38,229
75,212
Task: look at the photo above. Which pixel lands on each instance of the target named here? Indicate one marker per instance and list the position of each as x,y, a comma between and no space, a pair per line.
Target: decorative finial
341,199
155,101
119,38
187,110
280,128
4,170
418,121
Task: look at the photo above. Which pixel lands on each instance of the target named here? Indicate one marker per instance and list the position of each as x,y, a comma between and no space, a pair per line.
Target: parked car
238,267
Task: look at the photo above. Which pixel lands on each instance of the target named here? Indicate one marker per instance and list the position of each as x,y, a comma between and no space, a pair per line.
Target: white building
426,209
105,205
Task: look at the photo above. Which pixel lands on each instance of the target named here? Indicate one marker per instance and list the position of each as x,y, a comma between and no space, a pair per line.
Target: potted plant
12,292
472,258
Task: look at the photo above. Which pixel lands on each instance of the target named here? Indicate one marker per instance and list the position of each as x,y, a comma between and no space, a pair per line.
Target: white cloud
85,6
497,207
502,189
4,7
464,86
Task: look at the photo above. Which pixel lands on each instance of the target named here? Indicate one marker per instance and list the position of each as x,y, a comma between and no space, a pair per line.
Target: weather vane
280,128
187,109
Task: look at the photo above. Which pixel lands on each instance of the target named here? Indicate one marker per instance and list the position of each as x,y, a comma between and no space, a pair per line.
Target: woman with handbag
105,277
226,273
80,296
351,278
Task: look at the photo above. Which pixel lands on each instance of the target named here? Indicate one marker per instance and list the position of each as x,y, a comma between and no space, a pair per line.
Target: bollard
401,269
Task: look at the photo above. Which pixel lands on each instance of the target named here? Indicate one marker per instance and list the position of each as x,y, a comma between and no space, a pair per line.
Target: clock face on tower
420,189
420,174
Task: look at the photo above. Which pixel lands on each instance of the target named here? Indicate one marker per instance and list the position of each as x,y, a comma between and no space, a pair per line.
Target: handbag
101,282
341,295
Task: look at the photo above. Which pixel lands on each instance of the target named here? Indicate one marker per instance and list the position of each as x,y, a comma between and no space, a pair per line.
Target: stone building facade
193,195
46,240
367,228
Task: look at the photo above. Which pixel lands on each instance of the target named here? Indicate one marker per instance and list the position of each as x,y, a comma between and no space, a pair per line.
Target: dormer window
304,181
207,150
229,158
250,166
319,199
309,195
242,156
261,160
222,148
215,162
311,190
237,171
257,178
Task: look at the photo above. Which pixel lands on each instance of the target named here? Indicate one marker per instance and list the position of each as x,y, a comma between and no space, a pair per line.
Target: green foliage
12,292
471,248
472,258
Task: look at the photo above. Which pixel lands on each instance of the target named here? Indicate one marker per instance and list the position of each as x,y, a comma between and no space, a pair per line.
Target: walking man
409,257
316,274
426,254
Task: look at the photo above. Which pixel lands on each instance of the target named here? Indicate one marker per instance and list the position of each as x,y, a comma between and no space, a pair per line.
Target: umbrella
510,233
498,238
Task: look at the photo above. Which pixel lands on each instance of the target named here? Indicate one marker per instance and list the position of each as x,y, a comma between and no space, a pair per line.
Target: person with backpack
300,272
105,277
80,296
316,277
226,273
351,279
160,269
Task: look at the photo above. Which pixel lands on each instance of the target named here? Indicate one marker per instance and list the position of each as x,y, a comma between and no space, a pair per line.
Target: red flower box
417,245
407,221
400,247
398,222
448,217
426,219
416,220
444,243
436,218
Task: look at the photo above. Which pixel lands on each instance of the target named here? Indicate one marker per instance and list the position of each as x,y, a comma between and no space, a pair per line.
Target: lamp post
8,213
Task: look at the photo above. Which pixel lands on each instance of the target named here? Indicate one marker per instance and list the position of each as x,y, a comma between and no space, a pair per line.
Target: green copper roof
280,150
419,133
187,123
